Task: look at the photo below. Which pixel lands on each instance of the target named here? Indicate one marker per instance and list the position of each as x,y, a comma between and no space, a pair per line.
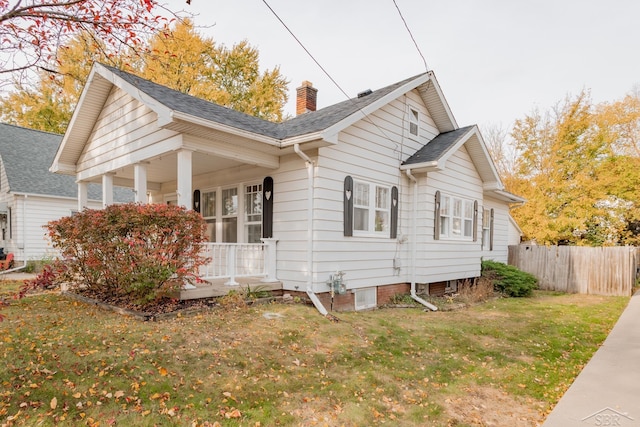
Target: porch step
217,288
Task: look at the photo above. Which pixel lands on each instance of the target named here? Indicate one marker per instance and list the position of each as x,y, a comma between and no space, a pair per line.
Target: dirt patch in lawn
487,406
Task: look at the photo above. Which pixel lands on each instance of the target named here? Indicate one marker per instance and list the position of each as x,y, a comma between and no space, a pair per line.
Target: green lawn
505,362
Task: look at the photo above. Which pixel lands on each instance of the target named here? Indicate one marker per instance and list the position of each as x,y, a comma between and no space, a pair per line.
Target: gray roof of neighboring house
27,155
437,147
299,125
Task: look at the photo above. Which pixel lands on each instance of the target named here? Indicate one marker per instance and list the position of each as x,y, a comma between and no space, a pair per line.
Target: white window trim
411,119
246,222
240,215
449,218
202,205
372,209
486,228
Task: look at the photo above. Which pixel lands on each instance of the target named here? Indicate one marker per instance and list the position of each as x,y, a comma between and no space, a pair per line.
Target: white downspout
314,298
414,223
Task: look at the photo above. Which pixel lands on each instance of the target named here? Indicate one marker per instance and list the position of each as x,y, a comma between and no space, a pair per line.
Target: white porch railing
231,260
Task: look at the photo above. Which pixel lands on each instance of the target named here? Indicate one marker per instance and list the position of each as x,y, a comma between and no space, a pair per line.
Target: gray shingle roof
437,147
27,155
300,125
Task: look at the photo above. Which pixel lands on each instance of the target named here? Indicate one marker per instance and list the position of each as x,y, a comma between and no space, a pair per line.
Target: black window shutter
348,206
196,200
475,221
491,232
267,207
436,218
394,212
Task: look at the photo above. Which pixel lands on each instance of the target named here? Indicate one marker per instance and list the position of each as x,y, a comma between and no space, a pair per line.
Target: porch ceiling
164,168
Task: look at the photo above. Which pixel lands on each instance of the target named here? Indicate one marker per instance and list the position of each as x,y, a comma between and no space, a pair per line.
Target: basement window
451,287
365,298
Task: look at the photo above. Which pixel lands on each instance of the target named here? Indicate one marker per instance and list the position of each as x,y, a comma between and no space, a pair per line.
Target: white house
349,204
31,196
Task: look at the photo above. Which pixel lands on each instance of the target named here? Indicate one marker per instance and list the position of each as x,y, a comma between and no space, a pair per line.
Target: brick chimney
306,98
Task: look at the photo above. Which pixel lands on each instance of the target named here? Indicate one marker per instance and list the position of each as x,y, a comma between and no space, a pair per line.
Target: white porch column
140,182
83,195
270,259
185,195
107,190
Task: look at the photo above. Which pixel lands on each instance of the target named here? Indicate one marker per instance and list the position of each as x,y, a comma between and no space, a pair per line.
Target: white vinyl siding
370,151
29,215
501,231
126,131
448,258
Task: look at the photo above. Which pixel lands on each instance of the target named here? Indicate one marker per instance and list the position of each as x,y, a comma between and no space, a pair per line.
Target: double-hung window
208,209
253,212
487,229
456,218
230,215
371,207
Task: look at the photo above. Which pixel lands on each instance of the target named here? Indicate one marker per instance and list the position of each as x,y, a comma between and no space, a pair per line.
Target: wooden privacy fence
579,269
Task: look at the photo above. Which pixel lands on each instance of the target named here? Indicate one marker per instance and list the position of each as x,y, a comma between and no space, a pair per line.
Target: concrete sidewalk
17,276
607,391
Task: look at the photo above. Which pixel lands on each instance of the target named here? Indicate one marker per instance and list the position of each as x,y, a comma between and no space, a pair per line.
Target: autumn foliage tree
48,103
579,170
179,58
32,30
184,60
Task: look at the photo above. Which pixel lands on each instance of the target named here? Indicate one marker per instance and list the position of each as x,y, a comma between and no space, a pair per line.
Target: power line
366,116
411,34
305,49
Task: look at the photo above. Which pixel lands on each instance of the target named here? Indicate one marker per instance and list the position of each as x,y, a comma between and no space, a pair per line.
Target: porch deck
217,288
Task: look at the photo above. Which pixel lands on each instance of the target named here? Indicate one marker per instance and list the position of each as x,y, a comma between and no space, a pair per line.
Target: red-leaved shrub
131,252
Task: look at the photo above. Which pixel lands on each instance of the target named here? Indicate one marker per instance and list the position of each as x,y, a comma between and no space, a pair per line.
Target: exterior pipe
414,245
13,270
314,298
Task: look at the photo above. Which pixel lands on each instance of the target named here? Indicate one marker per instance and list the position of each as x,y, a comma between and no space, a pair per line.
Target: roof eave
309,137
177,115
79,114
331,132
94,94
423,167
63,168
506,196
443,117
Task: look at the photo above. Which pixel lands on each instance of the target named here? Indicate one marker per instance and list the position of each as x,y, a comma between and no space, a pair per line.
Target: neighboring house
381,194
31,195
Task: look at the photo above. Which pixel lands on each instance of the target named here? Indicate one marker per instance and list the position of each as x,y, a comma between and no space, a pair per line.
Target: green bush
131,252
508,280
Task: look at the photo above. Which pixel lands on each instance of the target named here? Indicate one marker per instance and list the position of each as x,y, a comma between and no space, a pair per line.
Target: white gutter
314,298
414,224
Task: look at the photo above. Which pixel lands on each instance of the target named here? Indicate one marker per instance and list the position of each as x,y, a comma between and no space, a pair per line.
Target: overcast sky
496,60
